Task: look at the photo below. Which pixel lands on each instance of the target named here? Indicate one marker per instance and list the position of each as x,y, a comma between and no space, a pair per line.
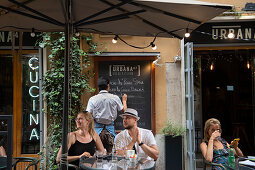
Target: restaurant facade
223,84
224,55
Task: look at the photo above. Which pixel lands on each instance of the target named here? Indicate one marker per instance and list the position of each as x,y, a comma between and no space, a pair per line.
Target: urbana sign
217,33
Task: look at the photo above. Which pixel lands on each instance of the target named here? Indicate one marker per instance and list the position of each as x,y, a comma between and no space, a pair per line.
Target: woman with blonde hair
214,148
84,141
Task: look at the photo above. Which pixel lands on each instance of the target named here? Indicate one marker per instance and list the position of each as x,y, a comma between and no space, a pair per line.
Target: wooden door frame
17,100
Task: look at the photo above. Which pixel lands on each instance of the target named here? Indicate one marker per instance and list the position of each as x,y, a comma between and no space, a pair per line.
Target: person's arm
120,144
238,151
124,101
207,151
99,144
70,158
71,135
89,106
2,151
152,150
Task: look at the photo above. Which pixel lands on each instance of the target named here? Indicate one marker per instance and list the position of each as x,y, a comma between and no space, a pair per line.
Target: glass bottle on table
231,157
114,154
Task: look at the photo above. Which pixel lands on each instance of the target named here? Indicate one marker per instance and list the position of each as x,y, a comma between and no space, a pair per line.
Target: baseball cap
130,112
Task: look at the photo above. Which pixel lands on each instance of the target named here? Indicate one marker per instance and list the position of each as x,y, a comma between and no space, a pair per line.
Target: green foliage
172,129
53,87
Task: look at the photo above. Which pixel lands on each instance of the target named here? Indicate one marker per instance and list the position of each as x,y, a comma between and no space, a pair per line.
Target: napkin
247,162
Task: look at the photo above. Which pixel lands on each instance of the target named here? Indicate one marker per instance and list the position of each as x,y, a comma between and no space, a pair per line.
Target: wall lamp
177,58
155,62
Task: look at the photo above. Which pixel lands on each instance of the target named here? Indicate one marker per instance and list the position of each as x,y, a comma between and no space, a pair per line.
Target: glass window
30,105
6,92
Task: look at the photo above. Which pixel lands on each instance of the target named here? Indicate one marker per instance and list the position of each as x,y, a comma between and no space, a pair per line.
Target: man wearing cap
133,137
104,107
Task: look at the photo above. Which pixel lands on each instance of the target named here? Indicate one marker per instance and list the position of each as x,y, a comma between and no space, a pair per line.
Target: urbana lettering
122,68
7,36
240,33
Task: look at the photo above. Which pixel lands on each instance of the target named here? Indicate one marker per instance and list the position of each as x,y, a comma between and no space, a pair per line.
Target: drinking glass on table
99,155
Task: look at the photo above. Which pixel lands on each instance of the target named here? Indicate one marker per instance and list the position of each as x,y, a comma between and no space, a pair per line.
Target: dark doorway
227,86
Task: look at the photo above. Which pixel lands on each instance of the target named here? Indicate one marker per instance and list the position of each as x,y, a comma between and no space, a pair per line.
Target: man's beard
128,127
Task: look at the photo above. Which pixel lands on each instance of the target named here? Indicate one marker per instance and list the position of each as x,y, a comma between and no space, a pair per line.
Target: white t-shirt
123,139
104,107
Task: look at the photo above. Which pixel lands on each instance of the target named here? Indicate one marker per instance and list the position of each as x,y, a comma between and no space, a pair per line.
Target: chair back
210,164
25,163
3,162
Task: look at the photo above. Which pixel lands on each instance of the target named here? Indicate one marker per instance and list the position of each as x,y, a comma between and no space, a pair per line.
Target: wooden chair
20,163
25,163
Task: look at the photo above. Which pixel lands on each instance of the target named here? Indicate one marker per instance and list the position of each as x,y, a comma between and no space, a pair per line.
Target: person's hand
124,97
138,136
215,134
87,154
134,134
234,144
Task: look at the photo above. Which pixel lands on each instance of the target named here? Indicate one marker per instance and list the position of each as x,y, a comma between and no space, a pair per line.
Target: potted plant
173,145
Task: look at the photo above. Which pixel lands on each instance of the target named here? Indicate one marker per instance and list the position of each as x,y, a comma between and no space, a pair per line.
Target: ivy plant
53,83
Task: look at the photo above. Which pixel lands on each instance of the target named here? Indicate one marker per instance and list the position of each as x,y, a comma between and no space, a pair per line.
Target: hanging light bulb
114,40
187,34
153,46
77,34
211,67
32,34
231,35
248,65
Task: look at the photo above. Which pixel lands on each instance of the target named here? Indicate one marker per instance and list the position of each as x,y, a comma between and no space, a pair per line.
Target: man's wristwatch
140,144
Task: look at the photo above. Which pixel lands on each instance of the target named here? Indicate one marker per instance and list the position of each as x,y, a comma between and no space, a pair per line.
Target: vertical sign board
30,105
134,79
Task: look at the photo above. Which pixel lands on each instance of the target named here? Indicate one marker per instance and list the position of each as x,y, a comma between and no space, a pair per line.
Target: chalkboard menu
134,79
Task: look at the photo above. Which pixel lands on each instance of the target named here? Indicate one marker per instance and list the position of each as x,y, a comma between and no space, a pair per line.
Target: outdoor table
239,166
122,164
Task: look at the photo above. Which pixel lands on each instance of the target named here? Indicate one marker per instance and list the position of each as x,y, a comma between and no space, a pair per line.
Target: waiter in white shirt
104,107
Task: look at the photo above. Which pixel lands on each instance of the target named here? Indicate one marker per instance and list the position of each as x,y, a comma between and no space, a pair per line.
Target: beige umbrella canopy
121,17
164,18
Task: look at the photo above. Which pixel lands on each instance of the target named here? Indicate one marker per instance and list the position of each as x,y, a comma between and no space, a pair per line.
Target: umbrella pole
63,162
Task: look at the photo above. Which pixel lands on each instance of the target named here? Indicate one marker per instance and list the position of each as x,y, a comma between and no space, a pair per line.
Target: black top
79,148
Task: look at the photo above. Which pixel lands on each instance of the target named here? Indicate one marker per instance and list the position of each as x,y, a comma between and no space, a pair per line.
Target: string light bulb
77,34
231,35
211,67
32,34
114,40
187,34
248,65
153,46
